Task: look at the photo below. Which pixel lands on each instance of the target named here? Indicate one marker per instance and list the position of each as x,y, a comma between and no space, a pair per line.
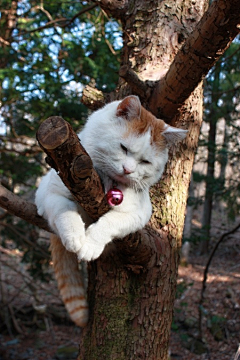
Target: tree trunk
187,232
223,159
8,21
210,179
131,300
208,202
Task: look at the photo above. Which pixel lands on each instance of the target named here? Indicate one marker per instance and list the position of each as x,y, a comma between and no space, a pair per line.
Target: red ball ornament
114,197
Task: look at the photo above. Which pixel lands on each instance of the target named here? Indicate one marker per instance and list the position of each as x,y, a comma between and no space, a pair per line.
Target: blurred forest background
48,52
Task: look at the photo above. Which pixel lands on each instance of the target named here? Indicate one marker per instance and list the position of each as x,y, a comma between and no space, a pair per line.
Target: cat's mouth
125,180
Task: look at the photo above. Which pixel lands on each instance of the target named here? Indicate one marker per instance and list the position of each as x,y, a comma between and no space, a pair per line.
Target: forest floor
35,326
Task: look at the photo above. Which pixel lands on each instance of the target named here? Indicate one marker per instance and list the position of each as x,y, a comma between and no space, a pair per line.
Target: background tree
221,113
135,303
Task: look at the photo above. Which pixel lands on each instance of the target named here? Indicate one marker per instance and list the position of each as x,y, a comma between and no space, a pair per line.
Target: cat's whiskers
143,185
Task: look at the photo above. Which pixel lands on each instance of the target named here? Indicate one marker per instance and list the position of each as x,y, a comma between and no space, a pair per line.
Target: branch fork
203,47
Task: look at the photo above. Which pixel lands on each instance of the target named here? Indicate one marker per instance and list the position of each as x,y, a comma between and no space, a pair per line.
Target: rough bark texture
116,8
127,307
93,98
21,208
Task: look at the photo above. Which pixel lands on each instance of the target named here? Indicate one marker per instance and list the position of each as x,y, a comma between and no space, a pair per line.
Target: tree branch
139,87
81,12
61,22
212,36
116,8
21,208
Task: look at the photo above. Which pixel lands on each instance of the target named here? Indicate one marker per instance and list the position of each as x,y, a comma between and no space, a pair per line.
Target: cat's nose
126,171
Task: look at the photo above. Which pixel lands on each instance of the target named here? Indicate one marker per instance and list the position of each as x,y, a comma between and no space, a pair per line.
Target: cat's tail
70,281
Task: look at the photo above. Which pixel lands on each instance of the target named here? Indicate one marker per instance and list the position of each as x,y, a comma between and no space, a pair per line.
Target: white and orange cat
129,149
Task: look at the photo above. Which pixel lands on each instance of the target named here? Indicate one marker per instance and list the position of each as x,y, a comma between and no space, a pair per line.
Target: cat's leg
112,225
55,203
64,219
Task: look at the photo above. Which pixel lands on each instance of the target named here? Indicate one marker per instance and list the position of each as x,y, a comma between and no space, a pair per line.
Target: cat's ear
129,108
173,135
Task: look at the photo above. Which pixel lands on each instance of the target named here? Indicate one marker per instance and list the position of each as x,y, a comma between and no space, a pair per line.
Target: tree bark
189,212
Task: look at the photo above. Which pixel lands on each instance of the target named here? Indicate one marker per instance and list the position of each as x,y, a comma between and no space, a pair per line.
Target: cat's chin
125,181
121,179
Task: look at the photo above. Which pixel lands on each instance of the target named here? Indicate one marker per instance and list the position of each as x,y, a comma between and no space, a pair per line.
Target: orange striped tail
70,281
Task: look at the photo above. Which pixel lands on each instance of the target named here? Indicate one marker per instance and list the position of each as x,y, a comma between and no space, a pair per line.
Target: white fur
102,137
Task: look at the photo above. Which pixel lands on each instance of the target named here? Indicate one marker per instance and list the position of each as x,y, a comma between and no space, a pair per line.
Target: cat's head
128,143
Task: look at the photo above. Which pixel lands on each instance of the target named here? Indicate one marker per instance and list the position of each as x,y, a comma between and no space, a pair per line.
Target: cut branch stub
92,98
74,166
82,167
53,132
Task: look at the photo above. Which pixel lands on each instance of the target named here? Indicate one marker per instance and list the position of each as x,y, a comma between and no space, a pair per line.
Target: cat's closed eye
145,162
124,148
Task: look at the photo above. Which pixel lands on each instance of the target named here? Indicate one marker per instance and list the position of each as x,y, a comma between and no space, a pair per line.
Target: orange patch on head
146,121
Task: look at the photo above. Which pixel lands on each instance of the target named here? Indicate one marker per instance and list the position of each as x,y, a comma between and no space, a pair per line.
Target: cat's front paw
92,247
88,252
70,228
71,243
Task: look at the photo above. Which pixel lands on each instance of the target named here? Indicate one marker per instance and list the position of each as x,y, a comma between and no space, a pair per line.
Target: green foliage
19,168
47,62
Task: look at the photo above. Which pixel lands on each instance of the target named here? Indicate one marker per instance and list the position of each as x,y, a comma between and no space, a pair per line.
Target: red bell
114,197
